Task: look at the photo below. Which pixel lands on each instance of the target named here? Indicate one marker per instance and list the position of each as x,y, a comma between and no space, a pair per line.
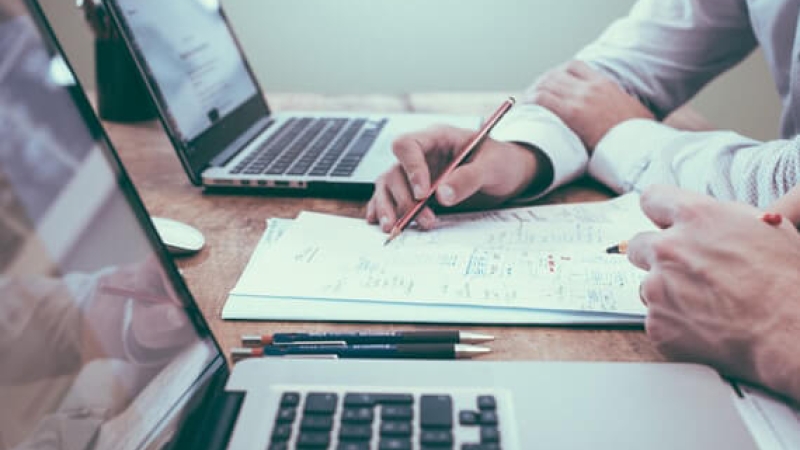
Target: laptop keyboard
386,421
313,146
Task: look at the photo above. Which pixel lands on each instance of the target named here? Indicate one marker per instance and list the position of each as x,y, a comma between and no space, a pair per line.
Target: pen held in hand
772,219
469,149
620,248
388,351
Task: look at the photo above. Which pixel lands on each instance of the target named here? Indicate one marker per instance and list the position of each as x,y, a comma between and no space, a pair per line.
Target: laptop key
281,432
286,415
312,422
394,444
468,417
399,412
313,440
396,428
436,438
490,434
290,399
358,415
355,432
436,411
320,403
480,447
487,402
356,445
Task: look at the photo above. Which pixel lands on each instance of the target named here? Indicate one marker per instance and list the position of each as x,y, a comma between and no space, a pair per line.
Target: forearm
723,164
665,51
44,336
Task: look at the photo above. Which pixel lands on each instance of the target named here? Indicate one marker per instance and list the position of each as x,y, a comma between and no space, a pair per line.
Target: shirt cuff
625,153
536,126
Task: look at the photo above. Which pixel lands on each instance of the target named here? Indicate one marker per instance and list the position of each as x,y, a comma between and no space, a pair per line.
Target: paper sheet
548,257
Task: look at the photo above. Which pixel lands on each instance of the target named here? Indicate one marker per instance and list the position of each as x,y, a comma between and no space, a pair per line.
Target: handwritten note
548,257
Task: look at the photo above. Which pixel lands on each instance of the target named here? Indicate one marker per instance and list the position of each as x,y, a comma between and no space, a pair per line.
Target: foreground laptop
220,123
103,346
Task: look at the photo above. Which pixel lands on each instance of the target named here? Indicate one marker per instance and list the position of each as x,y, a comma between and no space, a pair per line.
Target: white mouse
181,239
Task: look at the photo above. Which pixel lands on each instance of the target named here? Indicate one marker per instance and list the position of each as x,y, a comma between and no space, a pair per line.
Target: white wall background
396,46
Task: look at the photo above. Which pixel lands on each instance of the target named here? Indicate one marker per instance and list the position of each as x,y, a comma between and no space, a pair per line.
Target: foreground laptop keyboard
313,146
385,421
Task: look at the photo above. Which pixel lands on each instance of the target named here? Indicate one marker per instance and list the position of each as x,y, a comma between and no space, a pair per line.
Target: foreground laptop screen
96,344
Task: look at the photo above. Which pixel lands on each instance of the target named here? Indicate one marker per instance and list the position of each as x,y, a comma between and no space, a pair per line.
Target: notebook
104,347
218,118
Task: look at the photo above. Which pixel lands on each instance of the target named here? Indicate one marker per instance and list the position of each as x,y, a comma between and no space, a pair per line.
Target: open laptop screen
99,339
196,65
205,93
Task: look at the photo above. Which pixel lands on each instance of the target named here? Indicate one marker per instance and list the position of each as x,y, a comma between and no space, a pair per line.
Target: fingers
640,250
581,70
788,206
391,199
662,203
416,152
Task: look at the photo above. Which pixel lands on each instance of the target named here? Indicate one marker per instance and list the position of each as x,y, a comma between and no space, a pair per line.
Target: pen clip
320,356
315,343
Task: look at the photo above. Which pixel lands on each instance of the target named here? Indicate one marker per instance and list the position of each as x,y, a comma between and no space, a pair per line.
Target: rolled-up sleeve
538,127
723,164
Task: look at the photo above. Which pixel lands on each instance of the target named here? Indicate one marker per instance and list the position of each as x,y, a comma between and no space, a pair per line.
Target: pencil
773,219
469,149
620,248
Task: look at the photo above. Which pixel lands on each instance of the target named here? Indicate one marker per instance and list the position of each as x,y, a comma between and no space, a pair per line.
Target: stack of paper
540,264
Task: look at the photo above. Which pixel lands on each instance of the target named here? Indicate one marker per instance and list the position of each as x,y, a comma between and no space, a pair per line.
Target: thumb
460,185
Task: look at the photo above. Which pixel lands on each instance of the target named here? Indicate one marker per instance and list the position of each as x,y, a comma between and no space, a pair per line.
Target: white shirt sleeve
664,51
538,127
723,164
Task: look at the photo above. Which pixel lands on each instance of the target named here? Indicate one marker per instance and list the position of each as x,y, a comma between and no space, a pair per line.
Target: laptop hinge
237,145
220,431
210,421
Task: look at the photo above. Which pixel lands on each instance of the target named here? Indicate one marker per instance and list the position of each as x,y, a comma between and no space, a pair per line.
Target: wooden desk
233,225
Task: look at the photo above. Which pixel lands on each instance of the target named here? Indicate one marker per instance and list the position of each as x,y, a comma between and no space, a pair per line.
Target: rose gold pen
469,149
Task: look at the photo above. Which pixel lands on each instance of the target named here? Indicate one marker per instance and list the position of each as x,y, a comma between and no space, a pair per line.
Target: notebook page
494,260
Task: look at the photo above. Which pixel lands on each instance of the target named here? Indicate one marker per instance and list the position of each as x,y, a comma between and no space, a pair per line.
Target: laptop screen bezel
197,154
216,368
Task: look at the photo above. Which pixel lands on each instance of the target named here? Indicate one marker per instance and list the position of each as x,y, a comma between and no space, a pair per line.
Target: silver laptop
220,123
103,346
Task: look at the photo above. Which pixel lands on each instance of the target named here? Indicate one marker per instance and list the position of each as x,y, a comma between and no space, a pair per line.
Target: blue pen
381,337
422,351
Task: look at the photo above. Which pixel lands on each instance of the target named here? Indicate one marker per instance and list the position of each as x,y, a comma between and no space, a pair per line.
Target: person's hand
788,206
589,103
135,315
496,172
722,287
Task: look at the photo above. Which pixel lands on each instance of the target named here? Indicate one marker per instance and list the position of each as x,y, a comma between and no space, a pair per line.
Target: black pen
420,351
381,337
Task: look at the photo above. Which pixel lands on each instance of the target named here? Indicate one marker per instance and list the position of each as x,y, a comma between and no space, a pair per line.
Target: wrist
539,170
776,364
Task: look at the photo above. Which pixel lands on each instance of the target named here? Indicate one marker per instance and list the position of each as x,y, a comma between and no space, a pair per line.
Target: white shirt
663,53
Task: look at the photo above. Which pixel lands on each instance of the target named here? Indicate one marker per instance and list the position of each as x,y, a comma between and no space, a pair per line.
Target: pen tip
469,337
468,351
391,237
620,249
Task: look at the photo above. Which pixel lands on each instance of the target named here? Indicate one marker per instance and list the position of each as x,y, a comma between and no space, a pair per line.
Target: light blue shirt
663,53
